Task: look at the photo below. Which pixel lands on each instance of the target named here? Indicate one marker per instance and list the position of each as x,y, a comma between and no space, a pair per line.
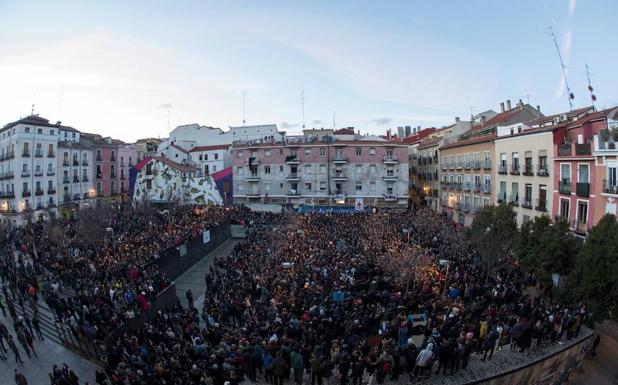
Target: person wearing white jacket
424,361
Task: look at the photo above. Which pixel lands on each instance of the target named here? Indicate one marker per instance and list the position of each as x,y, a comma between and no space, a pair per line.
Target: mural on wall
163,181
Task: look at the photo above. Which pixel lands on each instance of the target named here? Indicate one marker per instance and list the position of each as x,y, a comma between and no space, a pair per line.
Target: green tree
593,280
493,233
546,248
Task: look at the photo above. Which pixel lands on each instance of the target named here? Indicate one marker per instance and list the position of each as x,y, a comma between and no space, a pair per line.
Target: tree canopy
493,233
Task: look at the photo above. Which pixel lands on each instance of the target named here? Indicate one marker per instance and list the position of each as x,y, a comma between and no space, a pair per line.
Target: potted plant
615,133
604,135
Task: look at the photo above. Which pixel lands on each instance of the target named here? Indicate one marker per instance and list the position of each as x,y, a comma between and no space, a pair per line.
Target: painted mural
164,181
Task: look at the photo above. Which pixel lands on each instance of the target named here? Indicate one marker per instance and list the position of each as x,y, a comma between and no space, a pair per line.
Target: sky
134,69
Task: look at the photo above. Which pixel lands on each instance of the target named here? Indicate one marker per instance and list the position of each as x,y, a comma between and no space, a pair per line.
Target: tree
593,280
92,223
547,248
493,233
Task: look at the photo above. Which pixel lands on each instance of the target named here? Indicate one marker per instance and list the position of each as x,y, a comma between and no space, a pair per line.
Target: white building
28,167
75,178
210,159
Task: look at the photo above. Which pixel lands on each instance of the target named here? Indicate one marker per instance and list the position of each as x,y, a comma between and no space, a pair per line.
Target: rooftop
36,120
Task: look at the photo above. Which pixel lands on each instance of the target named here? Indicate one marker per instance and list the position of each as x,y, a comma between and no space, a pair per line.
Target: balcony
541,205
583,149
26,194
252,161
501,197
65,180
25,174
444,166
253,177
476,187
607,144
98,158
51,172
580,227
51,203
610,187
293,193
85,178
457,186
85,163
121,164
390,198
390,159
99,176
582,189
528,170
75,179
25,154
467,165
39,192
51,154
467,186
292,159
565,187
38,173
253,194
564,149
444,185
502,169
487,189
543,170
7,194
66,198
487,165
7,156
51,191
514,201
390,176
65,163
40,206
340,159
527,203
515,170
340,176
112,158
38,154
476,164
6,175
75,163
112,175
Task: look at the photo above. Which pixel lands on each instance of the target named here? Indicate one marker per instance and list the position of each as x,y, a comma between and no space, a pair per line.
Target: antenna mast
334,122
570,95
592,96
244,97
302,102
33,102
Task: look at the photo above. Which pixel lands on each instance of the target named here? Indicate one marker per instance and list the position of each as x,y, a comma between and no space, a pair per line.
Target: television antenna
570,95
592,95
302,102
244,100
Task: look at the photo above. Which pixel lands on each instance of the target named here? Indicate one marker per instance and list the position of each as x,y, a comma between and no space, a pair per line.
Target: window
611,177
528,195
241,187
514,193
26,148
27,130
51,132
565,206
200,157
565,173
112,156
50,185
372,151
205,156
280,168
502,193
98,155
307,152
322,151
359,151
359,169
216,155
266,169
307,169
503,161
149,184
372,169
214,168
266,152
359,186
239,154
322,186
515,157
239,170
582,173
542,201
372,186
582,212
487,157
322,169
308,186
25,186
267,186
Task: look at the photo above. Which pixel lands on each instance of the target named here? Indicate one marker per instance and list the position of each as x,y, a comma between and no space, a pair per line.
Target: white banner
206,236
360,205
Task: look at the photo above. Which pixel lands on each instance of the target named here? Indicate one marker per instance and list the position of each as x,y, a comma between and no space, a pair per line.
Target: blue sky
111,67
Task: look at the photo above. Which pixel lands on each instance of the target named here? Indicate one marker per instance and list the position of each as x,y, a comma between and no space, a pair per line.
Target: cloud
572,4
316,122
287,125
381,121
164,106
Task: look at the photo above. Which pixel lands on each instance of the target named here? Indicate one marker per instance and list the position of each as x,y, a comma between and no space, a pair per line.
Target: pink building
576,193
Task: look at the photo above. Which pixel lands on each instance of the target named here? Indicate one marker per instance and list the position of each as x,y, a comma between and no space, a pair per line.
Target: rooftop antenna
244,97
60,97
592,95
302,102
570,95
334,122
33,102
528,97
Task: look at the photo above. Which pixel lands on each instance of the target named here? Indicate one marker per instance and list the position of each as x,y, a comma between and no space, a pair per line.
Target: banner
183,249
206,236
359,205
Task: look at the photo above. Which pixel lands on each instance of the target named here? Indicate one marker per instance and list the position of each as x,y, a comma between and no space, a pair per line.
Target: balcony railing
457,185
527,203
66,198
38,154
543,170
476,164
582,189
581,227
390,158
487,164
565,187
7,194
610,187
502,169
85,178
65,163
564,149
515,169
25,174
65,180
98,158
8,155
340,159
75,179
528,170
38,173
39,192
26,193
514,200
583,149
112,175
75,163
85,163
51,191
541,205
51,154
476,187
487,189
51,172
501,197
25,154
112,158
467,165
467,186
7,175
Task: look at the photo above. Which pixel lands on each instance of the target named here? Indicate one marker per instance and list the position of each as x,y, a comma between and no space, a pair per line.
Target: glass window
582,173
565,172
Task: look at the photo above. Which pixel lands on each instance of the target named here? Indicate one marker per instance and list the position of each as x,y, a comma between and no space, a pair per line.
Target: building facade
75,177
322,169
211,159
605,151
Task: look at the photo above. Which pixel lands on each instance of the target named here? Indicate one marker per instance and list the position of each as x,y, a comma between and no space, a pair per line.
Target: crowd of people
357,298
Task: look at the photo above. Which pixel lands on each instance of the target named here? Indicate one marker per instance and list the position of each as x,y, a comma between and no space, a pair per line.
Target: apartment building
605,152
75,177
467,163
577,193
524,170
28,167
413,141
211,159
322,167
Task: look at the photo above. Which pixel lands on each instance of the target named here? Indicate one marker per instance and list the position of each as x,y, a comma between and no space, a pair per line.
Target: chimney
508,105
418,129
538,108
502,107
520,105
482,119
456,119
